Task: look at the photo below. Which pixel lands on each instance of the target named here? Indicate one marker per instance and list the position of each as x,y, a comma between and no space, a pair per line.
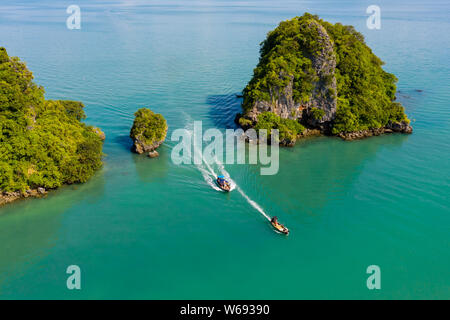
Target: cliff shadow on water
124,140
224,108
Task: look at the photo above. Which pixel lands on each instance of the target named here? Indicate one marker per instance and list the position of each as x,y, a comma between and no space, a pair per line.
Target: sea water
147,228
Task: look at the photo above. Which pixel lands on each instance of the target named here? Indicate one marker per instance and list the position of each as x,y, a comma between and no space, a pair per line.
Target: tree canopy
148,126
43,143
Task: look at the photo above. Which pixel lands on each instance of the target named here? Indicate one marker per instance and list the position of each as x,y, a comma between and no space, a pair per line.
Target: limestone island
43,143
314,77
148,132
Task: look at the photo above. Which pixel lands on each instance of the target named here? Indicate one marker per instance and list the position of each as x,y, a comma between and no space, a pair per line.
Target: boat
278,226
223,184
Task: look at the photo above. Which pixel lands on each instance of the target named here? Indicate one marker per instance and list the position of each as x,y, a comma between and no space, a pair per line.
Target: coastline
10,197
397,127
348,136
392,127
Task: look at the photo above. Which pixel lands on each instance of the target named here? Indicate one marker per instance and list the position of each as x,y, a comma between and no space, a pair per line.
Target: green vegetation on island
324,76
148,132
43,143
317,113
288,129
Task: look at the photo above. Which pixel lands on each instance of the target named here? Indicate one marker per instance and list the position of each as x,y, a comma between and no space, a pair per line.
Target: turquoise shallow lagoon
150,229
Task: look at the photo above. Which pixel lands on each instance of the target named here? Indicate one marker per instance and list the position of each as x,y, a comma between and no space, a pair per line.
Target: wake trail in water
243,194
205,169
253,203
209,175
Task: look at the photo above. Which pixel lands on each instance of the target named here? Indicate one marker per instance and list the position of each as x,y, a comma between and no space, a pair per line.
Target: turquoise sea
149,229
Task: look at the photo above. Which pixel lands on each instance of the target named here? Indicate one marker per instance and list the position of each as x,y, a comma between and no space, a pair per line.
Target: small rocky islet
148,132
314,77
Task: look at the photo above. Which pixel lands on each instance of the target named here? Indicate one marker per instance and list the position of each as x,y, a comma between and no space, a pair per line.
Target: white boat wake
205,169
253,203
235,186
210,176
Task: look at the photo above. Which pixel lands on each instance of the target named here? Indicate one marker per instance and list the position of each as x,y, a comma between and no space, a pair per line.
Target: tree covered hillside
43,143
323,75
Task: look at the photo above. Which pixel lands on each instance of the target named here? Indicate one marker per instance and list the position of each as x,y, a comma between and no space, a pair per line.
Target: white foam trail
246,197
209,168
209,176
206,172
253,203
208,179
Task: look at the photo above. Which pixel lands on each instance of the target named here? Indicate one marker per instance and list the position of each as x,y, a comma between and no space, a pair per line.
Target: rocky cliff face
8,197
325,77
141,145
323,93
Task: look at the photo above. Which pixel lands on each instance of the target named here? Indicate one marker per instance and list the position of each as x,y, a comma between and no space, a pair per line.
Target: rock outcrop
398,127
326,78
140,145
153,154
322,96
8,197
99,133
148,132
401,127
